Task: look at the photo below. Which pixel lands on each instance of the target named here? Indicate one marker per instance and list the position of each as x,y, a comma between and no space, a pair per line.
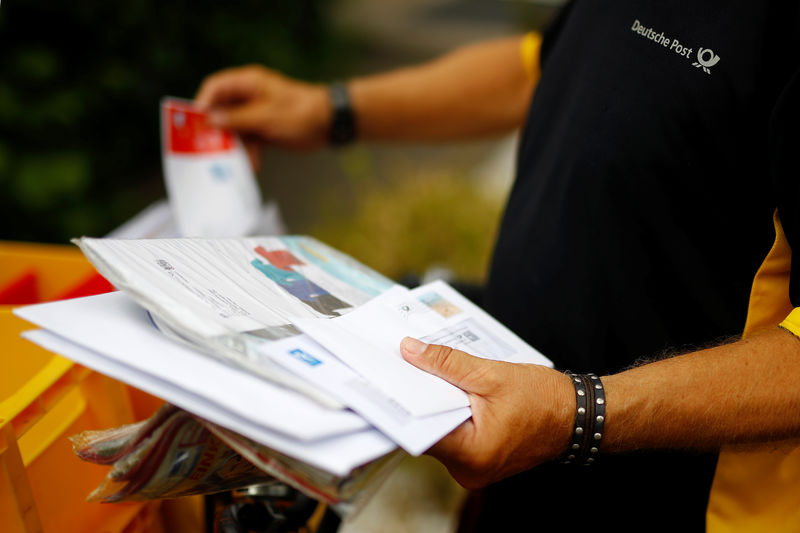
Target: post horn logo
706,58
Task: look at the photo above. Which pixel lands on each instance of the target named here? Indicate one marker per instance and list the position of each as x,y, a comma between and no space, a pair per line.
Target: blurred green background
80,85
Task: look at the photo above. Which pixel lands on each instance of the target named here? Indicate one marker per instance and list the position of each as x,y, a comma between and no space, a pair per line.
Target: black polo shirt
647,178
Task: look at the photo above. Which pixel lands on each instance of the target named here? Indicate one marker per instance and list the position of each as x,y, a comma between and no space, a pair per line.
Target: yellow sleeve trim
755,488
792,322
769,295
530,49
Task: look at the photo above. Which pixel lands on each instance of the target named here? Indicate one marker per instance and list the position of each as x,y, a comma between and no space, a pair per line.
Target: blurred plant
403,226
80,84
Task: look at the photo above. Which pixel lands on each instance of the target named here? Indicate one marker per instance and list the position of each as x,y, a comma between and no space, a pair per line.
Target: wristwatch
343,122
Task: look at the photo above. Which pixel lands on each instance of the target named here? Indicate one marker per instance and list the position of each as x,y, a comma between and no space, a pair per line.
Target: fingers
454,366
247,118
229,86
461,453
453,443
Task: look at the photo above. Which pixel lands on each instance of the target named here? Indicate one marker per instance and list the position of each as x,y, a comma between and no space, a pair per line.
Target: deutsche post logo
706,58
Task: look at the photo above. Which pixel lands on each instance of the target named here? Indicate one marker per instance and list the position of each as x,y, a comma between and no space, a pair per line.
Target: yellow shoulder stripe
530,49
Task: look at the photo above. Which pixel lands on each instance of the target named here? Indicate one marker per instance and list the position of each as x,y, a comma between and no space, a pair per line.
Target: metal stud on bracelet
590,411
599,417
575,447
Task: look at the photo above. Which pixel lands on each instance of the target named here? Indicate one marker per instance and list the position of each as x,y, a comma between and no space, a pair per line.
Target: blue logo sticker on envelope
305,357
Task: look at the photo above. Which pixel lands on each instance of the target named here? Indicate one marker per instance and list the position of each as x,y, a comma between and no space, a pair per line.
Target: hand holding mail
521,413
258,102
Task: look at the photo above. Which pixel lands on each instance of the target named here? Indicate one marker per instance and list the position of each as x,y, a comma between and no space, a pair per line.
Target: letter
635,25
666,42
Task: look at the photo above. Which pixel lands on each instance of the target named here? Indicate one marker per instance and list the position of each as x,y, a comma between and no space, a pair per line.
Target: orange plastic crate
44,399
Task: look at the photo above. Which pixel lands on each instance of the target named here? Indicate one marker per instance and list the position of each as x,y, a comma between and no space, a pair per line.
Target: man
656,173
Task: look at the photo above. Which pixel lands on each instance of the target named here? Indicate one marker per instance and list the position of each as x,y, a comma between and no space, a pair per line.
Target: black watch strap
343,123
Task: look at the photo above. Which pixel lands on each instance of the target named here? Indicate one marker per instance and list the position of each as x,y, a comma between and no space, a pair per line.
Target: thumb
253,148
453,366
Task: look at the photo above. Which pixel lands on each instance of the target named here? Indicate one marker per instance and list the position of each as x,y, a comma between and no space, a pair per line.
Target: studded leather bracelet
590,416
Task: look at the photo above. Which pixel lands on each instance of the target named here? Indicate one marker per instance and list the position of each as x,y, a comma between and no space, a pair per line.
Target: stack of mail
282,340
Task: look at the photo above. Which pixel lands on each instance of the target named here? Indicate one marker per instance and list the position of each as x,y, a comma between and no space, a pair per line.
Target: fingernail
216,118
413,346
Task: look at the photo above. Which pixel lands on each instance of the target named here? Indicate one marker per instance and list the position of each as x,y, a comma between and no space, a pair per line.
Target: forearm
523,415
745,391
474,91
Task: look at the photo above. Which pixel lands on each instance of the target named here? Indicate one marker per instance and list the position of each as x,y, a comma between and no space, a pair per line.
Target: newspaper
229,297
295,311
310,320
176,454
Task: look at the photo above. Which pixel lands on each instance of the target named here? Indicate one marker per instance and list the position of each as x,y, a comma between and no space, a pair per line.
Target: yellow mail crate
44,399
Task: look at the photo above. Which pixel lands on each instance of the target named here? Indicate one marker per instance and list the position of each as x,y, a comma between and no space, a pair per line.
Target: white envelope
368,338
209,180
338,455
114,326
312,362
